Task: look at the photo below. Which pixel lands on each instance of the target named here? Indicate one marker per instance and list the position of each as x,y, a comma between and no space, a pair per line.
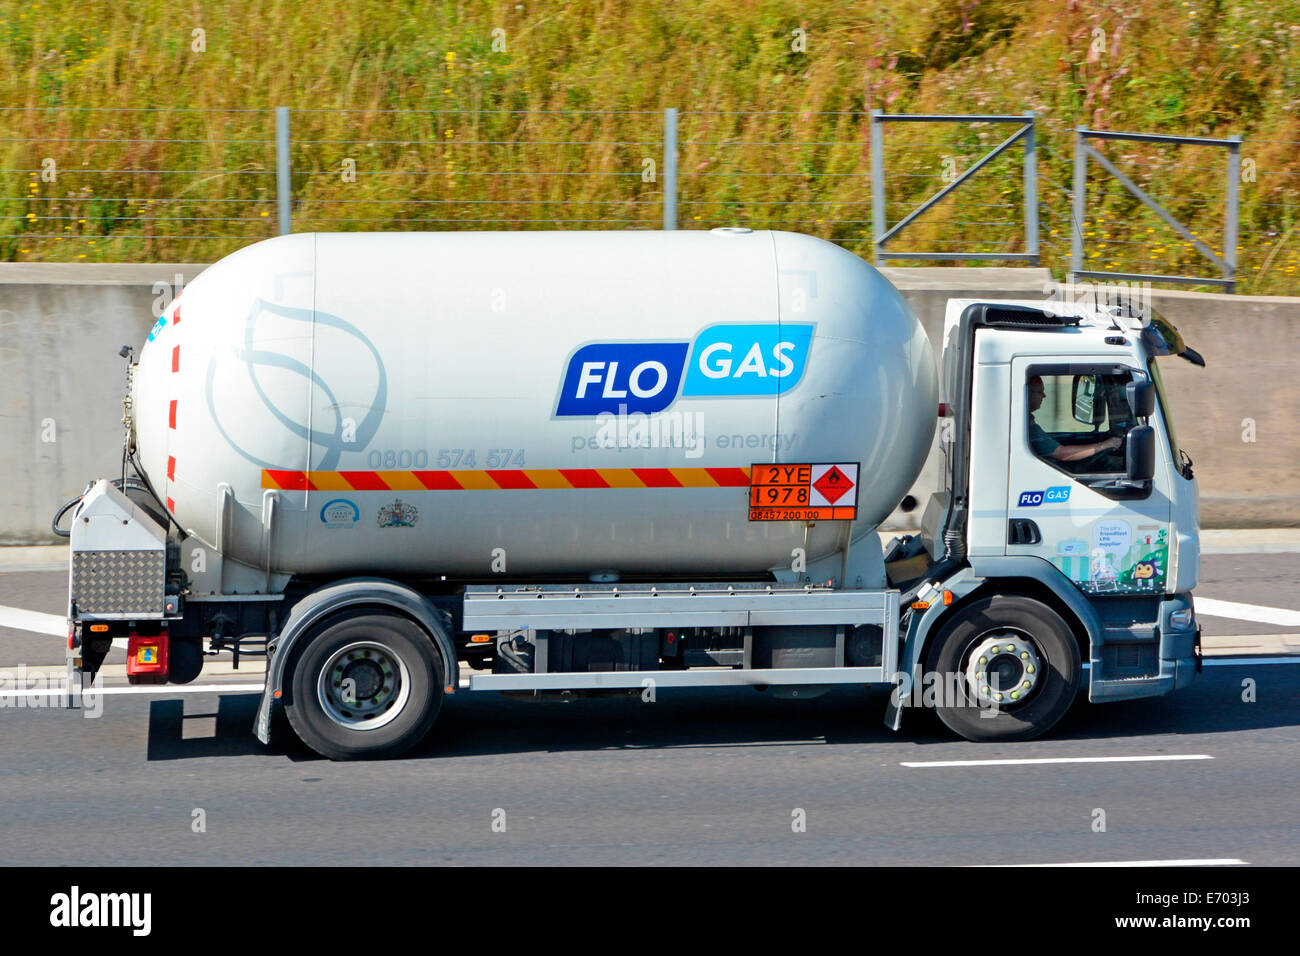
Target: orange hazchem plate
803,492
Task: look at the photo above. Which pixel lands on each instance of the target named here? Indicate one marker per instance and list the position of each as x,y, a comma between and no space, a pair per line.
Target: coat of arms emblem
398,515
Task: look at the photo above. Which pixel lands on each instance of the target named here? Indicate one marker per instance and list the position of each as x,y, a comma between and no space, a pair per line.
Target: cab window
1077,421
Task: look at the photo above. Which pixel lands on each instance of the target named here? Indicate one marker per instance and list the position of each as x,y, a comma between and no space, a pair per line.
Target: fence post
877,186
283,194
1230,219
1031,189
670,167
1077,204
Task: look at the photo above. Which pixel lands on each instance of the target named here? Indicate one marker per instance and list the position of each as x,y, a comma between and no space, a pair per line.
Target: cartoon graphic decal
1144,573
1120,562
1104,577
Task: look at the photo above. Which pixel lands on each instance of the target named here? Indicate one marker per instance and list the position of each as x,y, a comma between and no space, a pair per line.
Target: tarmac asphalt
699,777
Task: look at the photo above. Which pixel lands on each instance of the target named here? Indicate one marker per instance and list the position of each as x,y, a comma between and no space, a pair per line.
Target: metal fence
193,184
883,232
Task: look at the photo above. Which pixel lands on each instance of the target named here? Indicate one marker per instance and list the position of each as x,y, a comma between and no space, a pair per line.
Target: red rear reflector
146,659
944,410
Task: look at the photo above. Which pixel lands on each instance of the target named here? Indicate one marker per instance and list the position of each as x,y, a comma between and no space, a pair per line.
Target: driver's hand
1111,443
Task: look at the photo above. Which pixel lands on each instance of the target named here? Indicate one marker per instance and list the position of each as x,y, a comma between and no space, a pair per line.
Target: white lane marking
21,619
161,690
1243,661
1222,861
1030,760
1259,613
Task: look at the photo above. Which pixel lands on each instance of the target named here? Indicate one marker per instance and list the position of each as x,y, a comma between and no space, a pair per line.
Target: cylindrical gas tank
529,403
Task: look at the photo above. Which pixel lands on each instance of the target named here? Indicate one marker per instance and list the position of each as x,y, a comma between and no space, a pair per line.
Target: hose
121,484
144,481
54,525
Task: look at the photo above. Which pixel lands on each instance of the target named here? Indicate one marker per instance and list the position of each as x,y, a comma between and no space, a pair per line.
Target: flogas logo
641,376
1055,495
733,361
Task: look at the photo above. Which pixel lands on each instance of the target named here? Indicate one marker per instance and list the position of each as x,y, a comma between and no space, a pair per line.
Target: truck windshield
1165,410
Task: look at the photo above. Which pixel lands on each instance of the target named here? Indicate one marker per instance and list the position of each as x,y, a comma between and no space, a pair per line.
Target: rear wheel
1008,668
366,684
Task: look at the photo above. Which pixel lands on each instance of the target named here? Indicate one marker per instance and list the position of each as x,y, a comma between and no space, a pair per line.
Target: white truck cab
1064,483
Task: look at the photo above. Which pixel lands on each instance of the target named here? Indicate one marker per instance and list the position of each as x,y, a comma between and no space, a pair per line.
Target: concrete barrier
61,383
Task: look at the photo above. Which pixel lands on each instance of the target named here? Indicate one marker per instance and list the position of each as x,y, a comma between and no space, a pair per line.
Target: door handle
1023,531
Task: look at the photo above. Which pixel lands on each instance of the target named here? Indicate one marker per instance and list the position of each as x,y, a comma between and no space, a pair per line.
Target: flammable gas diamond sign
811,492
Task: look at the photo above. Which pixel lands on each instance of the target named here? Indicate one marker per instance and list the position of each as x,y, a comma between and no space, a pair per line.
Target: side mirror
1140,452
1141,399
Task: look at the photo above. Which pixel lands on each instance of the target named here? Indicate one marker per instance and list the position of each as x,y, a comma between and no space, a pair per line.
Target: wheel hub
1003,669
367,678
363,686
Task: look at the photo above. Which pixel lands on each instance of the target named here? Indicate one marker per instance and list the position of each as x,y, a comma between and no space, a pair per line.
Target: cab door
1069,500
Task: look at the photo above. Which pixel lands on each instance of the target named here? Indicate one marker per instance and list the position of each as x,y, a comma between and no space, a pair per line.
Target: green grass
766,139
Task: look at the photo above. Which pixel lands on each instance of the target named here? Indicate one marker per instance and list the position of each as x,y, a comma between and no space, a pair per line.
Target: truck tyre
185,660
1004,668
366,684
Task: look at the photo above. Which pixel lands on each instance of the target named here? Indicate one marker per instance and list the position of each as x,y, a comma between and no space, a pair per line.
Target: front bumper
1178,657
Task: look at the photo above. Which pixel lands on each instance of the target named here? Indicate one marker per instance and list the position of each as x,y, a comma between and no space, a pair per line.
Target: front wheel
1009,667
366,684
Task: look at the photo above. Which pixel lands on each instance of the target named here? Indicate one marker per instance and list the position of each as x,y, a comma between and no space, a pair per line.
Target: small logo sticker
1072,546
340,513
398,515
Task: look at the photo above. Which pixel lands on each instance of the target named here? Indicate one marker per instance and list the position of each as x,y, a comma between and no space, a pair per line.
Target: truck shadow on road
232,737
483,724
745,718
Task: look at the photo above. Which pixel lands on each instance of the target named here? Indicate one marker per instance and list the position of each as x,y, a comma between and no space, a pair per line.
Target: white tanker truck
622,462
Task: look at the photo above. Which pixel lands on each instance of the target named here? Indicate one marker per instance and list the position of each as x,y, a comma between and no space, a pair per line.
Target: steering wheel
1110,459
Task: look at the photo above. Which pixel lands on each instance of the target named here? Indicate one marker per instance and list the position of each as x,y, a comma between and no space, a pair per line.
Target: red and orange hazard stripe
522,479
